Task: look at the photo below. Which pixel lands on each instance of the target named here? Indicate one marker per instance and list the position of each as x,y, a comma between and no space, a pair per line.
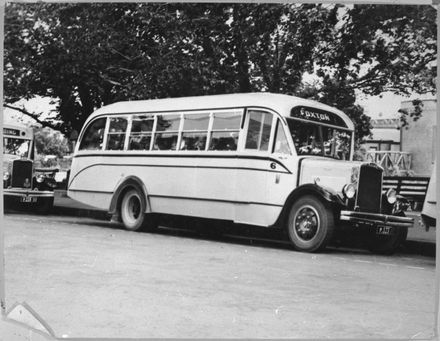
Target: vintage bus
260,158
24,186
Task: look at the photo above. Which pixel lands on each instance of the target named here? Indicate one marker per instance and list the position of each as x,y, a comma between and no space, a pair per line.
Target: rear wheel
133,206
310,224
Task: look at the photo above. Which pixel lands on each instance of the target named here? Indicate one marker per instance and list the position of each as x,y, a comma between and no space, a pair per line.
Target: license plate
28,199
384,230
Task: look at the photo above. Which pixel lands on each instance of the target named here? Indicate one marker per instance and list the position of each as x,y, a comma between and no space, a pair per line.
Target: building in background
419,137
408,150
385,135
384,147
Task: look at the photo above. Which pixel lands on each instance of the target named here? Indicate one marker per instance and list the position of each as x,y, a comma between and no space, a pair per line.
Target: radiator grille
369,192
21,170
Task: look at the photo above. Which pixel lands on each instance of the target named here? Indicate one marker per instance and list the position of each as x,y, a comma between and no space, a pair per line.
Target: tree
378,49
48,142
52,52
87,55
415,113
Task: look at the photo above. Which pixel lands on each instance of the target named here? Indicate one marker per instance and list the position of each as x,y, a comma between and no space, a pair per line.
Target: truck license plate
384,230
28,199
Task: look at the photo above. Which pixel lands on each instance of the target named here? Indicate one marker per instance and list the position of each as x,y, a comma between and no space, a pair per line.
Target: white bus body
246,158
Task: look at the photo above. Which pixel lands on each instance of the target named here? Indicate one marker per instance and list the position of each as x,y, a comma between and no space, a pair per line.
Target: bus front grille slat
21,173
369,189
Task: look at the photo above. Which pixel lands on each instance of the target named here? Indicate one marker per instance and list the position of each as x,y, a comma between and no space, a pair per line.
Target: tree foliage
381,48
48,142
414,113
86,55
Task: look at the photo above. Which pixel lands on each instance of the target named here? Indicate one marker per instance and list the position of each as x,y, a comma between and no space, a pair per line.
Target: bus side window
195,131
167,132
141,131
225,130
258,133
281,145
116,133
93,136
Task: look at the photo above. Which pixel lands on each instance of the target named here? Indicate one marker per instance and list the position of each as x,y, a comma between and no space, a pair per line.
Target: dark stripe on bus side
251,157
188,198
173,166
216,200
91,191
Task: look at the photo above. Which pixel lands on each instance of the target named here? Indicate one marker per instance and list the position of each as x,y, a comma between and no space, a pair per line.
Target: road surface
91,278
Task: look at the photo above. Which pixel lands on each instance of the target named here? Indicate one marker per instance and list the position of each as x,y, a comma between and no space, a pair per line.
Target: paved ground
88,277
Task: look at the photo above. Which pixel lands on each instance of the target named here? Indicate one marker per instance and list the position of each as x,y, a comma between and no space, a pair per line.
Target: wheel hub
131,210
134,207
306,223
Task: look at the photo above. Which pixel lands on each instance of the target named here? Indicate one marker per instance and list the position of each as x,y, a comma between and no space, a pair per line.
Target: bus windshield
17,147
315,139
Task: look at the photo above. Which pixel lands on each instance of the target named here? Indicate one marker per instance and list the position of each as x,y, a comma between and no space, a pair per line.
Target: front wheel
310,224
133,215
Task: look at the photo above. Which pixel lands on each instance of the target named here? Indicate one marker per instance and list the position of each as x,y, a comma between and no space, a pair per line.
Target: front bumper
376,219
21,192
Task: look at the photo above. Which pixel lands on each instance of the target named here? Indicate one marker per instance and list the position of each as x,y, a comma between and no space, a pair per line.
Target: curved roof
277,102
16,126
24,132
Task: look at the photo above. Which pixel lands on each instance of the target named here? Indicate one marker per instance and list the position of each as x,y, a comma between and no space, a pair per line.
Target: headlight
349,191
6,176
40,178
391,195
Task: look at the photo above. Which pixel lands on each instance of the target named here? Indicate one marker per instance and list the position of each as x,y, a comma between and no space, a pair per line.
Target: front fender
327,195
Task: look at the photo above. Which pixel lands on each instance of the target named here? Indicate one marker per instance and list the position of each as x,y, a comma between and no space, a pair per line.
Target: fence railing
393,163
413,188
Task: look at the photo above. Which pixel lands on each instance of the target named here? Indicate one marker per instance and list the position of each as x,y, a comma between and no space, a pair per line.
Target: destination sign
11,132
317,115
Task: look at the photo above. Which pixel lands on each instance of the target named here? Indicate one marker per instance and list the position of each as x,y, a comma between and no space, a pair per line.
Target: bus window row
214,131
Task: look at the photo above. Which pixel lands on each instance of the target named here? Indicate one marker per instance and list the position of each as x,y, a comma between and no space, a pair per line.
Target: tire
387,245
133,216
310,224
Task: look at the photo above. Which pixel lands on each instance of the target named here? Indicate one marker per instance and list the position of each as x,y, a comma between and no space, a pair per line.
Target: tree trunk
244,84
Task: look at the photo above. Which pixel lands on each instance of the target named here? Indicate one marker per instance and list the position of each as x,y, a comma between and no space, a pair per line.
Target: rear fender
122,186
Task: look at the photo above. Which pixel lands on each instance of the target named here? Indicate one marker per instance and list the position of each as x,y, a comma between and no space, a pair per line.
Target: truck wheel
133,215
387,245
310,224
